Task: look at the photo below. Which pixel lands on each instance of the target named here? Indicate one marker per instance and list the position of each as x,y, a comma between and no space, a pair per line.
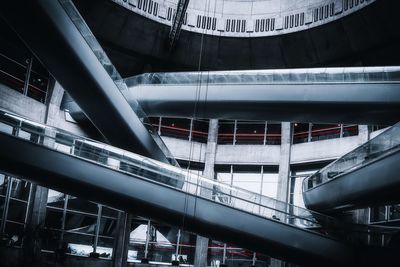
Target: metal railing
165,174
386,143
94,45
277,76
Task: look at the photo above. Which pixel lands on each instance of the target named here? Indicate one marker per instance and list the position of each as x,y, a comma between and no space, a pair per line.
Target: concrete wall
263,155
16,102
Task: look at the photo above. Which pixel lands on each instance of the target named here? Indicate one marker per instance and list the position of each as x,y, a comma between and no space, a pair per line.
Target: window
200,130
174,127
300,133
325,131
273,136
250,132
226,132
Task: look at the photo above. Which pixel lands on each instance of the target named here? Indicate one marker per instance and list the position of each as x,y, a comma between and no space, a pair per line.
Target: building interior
208,133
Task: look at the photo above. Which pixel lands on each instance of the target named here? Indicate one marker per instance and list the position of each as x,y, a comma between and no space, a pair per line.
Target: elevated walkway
367,176
99,172
368,95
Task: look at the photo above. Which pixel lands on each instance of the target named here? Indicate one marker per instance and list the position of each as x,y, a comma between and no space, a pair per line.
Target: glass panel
107,227
5,128
55,199
20,189
109,212
137,239
38,82
16,232
250,132
226,132
350,130
79,223
53,218
16,211
178,128
250,181
273,134
386,143
84,219
270,76
325,131
51,239
378,214
82,205
78,244
105,247
12,72
200,130
270,184
394,212
2,203
300,133
4,181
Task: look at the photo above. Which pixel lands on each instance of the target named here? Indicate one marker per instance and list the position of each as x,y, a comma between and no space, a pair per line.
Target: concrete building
87,79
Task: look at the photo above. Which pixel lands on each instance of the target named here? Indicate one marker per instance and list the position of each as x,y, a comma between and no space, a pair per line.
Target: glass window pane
53,218
270,185
16,231
5,128
107,227
16,211
105,247
81,245
394,213
76,222
273,133
325,131
226,132
82,205
20,189
250,132
300,133
350,130
4,181
200,130
378,214
248,181
55,199
174,127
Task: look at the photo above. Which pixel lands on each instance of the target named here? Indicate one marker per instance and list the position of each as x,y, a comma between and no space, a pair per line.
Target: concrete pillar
284,175
284,163
38,201
200,257
361,216
120,252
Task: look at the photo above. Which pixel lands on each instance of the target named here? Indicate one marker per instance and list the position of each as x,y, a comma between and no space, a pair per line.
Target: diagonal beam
177,22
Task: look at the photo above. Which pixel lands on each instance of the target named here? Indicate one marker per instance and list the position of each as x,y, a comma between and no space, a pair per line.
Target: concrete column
200,257
284,174
120,252
284,163
38,201
361,216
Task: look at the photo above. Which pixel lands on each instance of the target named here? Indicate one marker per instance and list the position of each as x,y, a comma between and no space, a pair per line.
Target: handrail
277,76
165,174
378,147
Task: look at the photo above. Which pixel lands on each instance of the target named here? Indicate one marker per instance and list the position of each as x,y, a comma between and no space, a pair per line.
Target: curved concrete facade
246,18
137,44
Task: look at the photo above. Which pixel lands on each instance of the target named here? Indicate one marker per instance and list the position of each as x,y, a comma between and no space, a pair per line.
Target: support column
361,216
38,200
284,174
284,163
120,252
200,257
